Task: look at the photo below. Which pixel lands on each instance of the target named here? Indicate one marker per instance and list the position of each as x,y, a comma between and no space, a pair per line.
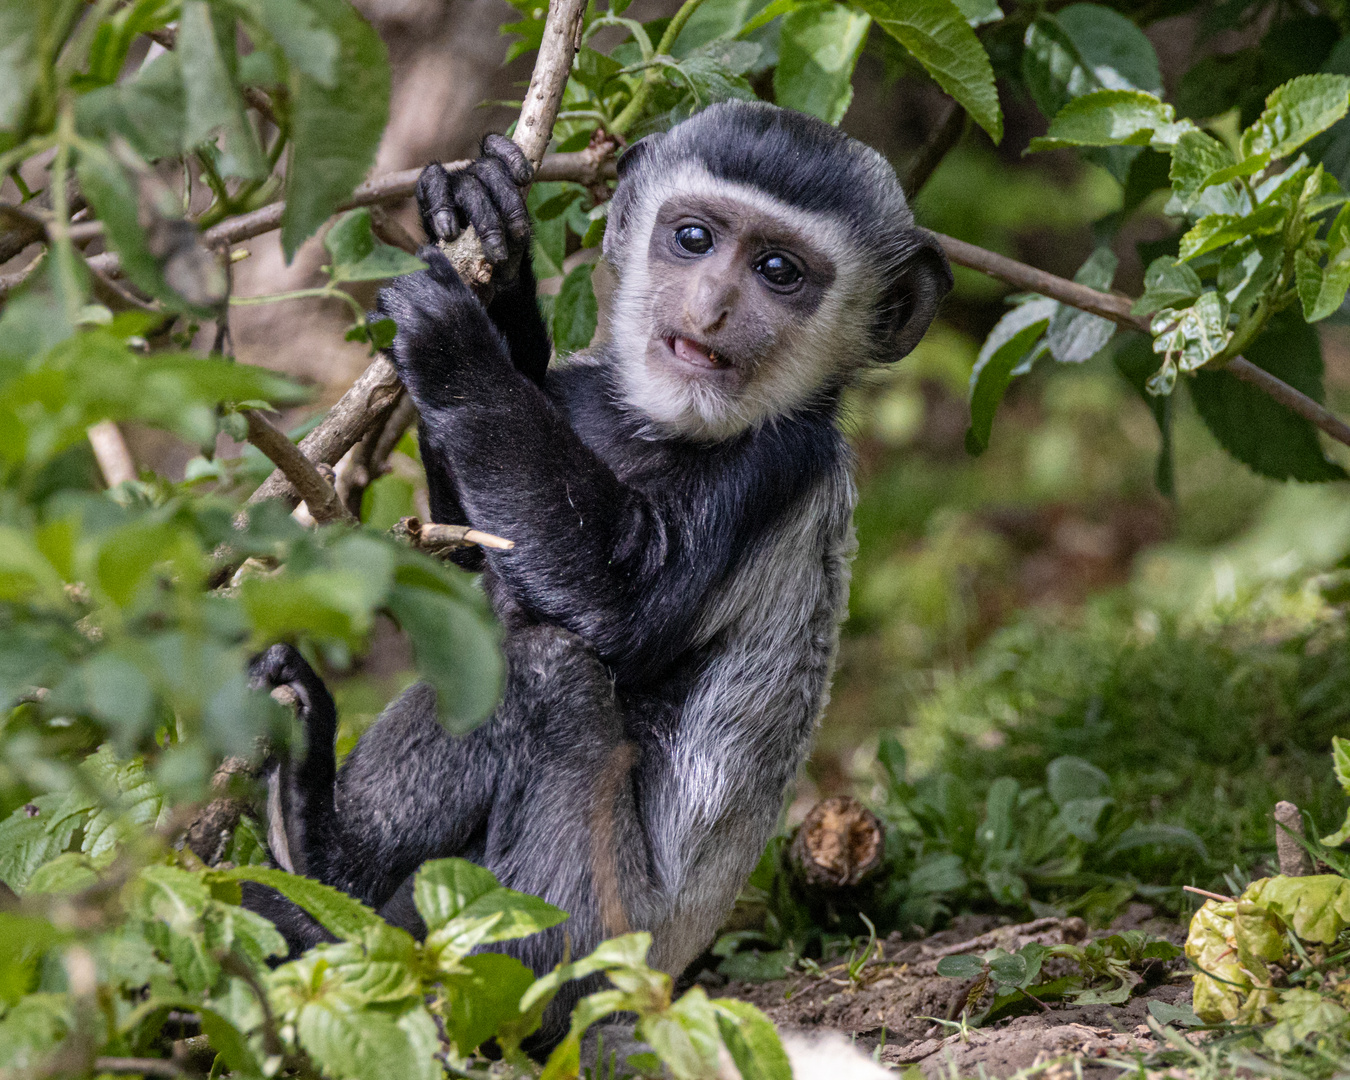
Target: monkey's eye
778,270
695,239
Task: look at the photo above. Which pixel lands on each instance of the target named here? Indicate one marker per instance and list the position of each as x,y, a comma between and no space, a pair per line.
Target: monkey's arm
590,550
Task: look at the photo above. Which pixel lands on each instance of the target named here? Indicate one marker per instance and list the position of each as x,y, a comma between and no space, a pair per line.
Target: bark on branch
1115,307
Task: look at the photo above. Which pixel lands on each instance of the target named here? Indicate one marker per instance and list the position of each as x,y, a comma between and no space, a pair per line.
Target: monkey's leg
515,795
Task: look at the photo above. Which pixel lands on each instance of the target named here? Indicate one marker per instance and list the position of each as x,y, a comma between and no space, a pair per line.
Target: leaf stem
63,250
633,110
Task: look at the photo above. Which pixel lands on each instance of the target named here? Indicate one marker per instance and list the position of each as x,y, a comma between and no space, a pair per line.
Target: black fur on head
810,165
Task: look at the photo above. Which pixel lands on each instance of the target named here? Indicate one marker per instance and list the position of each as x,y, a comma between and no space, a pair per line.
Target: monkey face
737,308
732,285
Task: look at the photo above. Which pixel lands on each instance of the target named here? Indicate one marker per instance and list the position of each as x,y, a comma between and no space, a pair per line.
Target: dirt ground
890,1002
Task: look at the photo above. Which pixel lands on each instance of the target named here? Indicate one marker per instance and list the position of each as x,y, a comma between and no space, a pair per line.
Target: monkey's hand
447,349
283,666
485,195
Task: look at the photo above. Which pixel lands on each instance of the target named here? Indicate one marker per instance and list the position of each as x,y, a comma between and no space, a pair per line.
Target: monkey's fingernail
444,222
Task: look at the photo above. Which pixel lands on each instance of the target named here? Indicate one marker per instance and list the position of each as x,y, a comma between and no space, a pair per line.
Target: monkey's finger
436,203
505,196
474,202
518,166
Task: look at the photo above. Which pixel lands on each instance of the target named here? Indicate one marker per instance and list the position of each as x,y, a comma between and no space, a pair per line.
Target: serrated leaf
936,34
1198,161
1113,118
1321,289
818,47
1296,111
1254,428
1192,336
448,889
336,131
1167,284
369,1044
212,100
1246,268
1213,231
357,254
343,915
992,374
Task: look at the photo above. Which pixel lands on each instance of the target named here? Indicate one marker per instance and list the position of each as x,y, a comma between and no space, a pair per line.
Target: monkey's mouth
691,352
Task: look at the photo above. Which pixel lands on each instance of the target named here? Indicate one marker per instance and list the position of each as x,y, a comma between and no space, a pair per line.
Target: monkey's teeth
693,353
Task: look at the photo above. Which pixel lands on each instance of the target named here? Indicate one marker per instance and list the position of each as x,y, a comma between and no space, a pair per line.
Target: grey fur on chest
746,725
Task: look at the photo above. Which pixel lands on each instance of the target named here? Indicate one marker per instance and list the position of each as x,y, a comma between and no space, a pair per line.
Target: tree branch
322,501
1115,307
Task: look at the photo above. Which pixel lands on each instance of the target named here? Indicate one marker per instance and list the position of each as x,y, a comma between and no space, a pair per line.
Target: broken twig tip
487,540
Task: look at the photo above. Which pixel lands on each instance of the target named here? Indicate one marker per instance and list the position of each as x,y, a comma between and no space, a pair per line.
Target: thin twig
437,539
135,1065
1115,307
110,451
930,155
322,501
1209,895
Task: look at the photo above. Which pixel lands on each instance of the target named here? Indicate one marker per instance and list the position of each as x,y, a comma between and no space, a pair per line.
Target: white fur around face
834,340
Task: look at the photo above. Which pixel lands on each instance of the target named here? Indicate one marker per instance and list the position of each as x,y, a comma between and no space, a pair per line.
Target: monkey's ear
923,280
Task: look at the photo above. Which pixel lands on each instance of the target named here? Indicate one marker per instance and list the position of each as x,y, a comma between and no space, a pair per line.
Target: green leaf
1083,48
1257,430
936,34
213,103
1113,118
1193,336
455,647
575,312
980,12
1296,111
751,1040
1071,778
310,47
358,256
1322,288
23,940
1316,908
113,194
339,913
1074,336
369,1044
485,996
334,131
1007,969
1198,161
1340,760
20,59
960,967
992,374
1167,284
147,110
32,835
449,889
818,48
1213,231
